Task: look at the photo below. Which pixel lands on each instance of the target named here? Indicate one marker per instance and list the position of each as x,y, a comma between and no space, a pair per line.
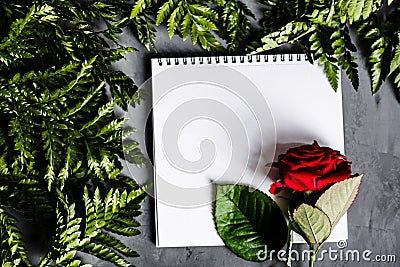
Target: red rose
310,167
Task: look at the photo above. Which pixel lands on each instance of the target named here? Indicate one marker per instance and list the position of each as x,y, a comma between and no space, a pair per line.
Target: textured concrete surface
372,141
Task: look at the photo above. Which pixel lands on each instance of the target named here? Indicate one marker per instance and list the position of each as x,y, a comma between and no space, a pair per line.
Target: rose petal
299,182
276,188
343,173
311,167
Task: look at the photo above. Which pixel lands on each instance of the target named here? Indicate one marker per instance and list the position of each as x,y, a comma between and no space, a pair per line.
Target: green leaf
332,72
290,33
355,10
103,252
163,12
336,200
397,80
343,46
140,5
377,75
186,26
395,62
314,224
247,220
12,245
173,22
60,132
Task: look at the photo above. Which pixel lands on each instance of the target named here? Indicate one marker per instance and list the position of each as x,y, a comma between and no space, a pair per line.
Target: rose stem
312,257
289,246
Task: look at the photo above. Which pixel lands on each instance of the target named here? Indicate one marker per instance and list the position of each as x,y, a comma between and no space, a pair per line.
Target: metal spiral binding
231,59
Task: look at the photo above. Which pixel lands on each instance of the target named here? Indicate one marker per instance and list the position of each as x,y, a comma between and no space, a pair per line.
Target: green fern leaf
377,56
204,23
290,33
186,26
343,46
107,254
187,17
331,71
173,21
60,132
121,229
397,80
138,8
355,10
13,251
114,243
235,23
395,62
80,105
163,12
376,69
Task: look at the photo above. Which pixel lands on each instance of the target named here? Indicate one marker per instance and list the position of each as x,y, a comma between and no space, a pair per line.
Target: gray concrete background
372,142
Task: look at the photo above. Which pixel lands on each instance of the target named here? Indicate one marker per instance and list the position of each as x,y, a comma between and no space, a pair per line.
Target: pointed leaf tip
337,199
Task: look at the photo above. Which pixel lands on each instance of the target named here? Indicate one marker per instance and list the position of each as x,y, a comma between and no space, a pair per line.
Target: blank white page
223,120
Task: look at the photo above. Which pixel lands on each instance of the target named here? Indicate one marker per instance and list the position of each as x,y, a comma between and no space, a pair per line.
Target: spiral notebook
224,120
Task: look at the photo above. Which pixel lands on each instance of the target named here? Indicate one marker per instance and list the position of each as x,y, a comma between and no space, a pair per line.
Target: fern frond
355,10
395,62
139,7
133,154
103,252
59,131
86,99
343,46
235,22
118,80
105,110
100,213
324,55
94,238
331,70
67,237
12,247
397,80
290,33
114,243
145,30
190,17
278,13
379,53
